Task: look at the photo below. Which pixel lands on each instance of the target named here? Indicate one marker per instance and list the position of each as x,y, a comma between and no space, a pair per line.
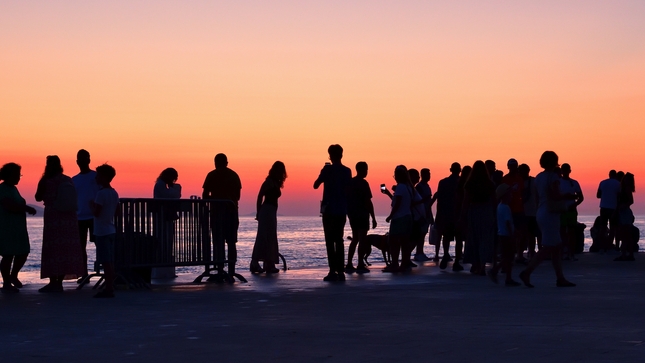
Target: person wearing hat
505,233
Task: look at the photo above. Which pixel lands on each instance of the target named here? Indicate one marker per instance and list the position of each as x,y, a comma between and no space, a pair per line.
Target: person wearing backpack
61,250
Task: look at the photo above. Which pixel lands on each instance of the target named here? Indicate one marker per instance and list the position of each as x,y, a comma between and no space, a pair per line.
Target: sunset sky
144,85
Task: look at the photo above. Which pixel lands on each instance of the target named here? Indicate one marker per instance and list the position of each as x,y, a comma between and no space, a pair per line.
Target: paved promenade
428,315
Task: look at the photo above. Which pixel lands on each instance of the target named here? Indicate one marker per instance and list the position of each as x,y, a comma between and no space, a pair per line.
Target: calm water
300,238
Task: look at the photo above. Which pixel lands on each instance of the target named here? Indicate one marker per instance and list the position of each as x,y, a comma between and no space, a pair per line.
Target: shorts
519,221
105,248
360,223
401,226
569,219
85,227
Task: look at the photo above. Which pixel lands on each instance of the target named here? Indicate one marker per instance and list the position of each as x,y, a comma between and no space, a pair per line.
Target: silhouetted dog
380,242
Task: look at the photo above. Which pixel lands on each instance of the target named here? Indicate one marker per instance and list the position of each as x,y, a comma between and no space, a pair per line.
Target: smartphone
383,187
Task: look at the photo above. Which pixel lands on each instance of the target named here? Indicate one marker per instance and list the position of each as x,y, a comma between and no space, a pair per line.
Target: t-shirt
609,189
425,192
223,183
161,190
447,199
504,217
359,197
569,186
108,199
516,182
86,189
530,197
336,179
405,192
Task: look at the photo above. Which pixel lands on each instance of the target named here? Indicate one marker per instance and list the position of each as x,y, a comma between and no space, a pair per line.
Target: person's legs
356,238
5,270
18,262
84,230
105,256
339,245
329,242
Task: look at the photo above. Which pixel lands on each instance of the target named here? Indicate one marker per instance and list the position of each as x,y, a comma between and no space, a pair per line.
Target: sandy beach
428,315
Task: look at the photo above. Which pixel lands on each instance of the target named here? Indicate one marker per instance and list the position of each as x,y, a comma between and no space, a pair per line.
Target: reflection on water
300,238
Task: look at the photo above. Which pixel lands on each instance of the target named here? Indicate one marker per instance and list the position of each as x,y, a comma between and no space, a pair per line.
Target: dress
62,253
480,236
14,239
266,240
548,222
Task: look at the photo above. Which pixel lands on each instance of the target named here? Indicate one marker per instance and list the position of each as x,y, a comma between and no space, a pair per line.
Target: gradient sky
145,85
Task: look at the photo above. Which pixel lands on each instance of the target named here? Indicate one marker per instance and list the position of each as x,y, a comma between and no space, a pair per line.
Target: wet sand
428,315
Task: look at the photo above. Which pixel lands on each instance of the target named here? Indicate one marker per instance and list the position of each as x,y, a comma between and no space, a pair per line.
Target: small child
505,232
103,208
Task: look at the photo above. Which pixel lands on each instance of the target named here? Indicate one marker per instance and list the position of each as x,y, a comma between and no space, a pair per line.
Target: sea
300,240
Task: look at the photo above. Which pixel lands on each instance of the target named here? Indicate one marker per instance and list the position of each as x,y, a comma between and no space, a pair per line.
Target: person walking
550,206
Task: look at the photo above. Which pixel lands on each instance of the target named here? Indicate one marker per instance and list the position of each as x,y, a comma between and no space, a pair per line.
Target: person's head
455,168
425,175
628,183
512,165
83,159
361,169
335,153
10,173
414,176
549,160
169,176
524,171
465,173
565,169
490,166
104,174
221,161
503,193
620,175
612,174
278,173
479,171
401,175
53,166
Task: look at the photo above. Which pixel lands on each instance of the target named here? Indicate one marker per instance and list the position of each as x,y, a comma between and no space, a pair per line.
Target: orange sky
155,84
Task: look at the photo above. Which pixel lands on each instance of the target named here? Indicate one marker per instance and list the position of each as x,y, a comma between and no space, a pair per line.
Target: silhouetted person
336,178
569,218
359,211
224,184
529,200
265,248
548,218
419,220
608,191
479,212
400,219
104,208
625,218
446,220
166,186
62,255
516,183
14,240
505,234
424,190
461,229
86,188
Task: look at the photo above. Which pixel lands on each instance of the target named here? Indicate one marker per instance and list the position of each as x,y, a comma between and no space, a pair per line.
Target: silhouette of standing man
333,208
224,183
86,189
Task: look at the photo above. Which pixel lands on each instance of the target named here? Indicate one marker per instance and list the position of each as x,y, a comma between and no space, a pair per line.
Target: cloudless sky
145,85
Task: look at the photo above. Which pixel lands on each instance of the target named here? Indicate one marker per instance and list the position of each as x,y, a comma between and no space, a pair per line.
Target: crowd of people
495,219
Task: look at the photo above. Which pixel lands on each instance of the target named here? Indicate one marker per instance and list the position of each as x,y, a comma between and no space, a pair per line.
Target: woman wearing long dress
166,187
14,240
479,212
62,256
266,240
549,198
